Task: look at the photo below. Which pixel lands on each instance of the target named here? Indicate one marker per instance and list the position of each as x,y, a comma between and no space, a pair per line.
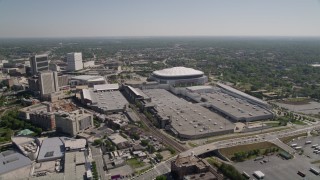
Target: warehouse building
184,119
242,95
104,101
227,104
86,80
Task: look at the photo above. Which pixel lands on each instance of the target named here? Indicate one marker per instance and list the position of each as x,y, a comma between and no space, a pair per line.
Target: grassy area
5,135
299,122
296,101
192,144
226,169
94,171
301,99
289,138
315,162
213,162
274,124
143,170
135,163
262,146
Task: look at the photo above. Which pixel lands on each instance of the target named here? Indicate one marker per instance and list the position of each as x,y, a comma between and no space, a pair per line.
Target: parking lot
308,151
275,167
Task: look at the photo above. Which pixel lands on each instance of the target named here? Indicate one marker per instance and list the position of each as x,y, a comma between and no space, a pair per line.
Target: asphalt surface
97,157
277,168
224,144
161,168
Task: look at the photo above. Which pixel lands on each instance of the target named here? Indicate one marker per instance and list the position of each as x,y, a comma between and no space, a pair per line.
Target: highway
265,137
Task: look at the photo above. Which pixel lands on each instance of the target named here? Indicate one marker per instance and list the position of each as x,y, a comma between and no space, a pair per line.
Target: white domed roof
177,72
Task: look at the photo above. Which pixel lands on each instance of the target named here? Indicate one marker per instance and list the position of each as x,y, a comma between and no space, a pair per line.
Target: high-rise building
39,63
63,81
33,84
48,82
74,122
74,61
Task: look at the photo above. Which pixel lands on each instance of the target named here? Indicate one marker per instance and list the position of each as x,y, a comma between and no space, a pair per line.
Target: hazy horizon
150,18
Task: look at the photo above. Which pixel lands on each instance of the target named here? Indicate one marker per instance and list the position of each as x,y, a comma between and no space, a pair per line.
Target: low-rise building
11,162
24,113
119,141
87,80
51,149
189,165
105,102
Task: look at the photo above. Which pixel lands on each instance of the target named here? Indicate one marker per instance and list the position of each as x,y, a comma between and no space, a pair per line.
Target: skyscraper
48,82
74,61
39,63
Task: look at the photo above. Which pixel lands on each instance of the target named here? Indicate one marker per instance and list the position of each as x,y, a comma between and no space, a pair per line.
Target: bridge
273,137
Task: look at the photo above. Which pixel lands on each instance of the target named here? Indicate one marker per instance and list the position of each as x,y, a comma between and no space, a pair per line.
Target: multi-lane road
164,167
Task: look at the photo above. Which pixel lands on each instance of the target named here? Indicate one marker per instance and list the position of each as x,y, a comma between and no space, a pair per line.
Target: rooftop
106,87
107,100
11,160
228,88
117,139
177,72
236,107
74,143
51,148
88,78
138,92
34,107
187,118
190,161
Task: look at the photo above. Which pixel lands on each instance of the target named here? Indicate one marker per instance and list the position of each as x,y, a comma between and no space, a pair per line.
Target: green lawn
5,135
299,122
192,144
135,163
262,146
289,138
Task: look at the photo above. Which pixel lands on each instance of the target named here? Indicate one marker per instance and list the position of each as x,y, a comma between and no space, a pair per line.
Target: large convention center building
179,76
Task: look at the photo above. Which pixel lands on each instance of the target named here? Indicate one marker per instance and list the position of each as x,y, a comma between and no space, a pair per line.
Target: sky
108,18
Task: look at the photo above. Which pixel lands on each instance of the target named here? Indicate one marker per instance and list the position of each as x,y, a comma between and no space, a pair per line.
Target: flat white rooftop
187,118
177,72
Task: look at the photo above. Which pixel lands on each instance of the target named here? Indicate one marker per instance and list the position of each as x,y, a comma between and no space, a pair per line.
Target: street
97,157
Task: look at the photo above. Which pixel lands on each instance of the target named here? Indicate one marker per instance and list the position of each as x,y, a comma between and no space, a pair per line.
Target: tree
159,156
97,142
151,148
144,142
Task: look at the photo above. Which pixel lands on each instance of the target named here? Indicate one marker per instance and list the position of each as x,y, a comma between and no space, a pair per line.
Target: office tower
39,63
63,81
48,82
33,84
74,61
74,122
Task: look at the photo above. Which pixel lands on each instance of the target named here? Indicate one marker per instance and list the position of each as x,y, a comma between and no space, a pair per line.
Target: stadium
179,76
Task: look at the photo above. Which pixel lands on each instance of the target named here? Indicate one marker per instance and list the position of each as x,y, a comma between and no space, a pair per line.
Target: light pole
208,134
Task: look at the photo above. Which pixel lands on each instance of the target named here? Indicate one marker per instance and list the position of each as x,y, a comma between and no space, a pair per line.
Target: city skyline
36,18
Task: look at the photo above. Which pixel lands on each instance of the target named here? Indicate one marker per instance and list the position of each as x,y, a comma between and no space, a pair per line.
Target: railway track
165,139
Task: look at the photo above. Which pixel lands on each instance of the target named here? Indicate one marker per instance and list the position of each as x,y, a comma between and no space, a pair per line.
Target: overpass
273,137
